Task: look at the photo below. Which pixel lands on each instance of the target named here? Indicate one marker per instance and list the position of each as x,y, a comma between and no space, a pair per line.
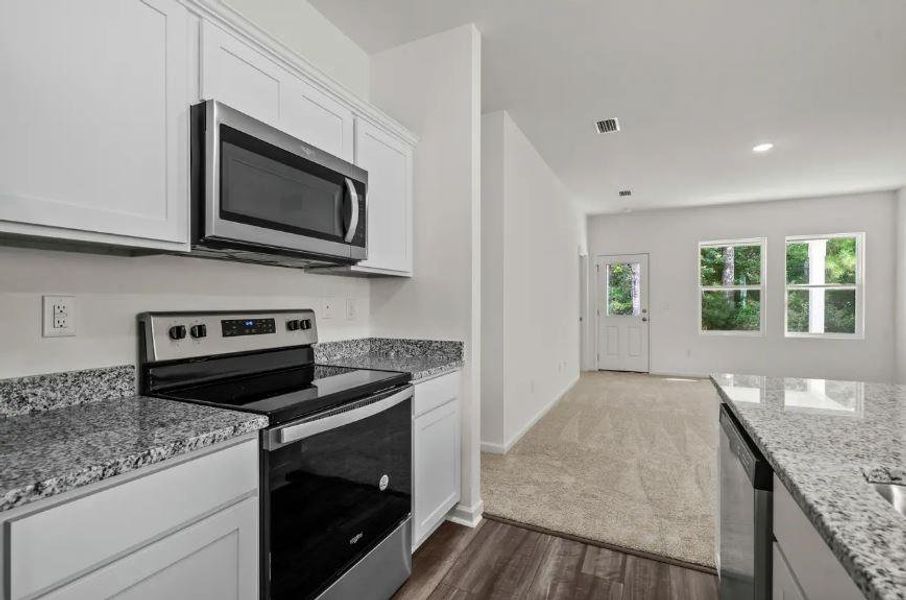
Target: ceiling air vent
624,193
611,125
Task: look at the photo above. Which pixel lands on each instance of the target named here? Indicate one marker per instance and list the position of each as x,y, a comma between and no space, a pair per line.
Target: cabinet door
388,161
317,119
436,464
239,76
216,559
784,583
95,143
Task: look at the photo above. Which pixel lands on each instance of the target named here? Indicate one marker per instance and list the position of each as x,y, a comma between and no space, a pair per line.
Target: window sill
826,336
711,332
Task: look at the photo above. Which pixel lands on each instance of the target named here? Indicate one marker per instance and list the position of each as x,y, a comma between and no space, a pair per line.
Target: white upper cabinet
317,119
239,76
245,79
388,161
95,140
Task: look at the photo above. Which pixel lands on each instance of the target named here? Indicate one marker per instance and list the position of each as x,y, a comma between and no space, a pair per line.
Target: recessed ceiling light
762,147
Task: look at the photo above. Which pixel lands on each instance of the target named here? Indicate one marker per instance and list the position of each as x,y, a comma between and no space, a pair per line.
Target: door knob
644,319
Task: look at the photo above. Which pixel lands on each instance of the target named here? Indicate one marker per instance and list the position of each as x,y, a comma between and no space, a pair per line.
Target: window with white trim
731,286
824,285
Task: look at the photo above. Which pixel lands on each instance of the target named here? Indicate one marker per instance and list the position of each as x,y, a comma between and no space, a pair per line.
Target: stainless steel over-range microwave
261,195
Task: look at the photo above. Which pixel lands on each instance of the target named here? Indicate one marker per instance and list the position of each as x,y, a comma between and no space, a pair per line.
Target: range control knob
177,332
199,331
305,324
293,325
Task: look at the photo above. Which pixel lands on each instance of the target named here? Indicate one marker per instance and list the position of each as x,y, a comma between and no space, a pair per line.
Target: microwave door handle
354,210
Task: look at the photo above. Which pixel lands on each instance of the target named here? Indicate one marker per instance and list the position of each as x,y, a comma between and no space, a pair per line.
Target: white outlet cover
59,316
352,309
329,308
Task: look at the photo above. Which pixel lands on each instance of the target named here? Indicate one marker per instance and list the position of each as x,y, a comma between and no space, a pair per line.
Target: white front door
622,309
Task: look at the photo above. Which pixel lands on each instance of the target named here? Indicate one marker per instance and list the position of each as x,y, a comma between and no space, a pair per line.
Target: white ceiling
695,84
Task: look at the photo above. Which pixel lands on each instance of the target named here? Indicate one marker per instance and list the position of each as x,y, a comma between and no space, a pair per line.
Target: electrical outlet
352,309
59,316
328,308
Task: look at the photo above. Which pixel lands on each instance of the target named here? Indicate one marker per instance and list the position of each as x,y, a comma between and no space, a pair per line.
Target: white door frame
597,298
584,362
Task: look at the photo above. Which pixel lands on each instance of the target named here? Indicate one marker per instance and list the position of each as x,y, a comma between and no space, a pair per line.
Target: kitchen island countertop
827,441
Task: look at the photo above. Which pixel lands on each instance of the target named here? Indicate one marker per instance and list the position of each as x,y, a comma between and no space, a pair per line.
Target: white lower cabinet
186,529
804,566
436,447
213,559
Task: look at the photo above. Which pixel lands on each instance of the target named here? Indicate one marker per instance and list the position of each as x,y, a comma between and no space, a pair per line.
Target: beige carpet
623,459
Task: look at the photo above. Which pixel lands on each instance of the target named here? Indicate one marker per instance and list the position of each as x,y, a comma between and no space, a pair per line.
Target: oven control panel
180,335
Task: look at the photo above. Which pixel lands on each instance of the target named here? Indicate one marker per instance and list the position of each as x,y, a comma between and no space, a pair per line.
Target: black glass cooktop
291,393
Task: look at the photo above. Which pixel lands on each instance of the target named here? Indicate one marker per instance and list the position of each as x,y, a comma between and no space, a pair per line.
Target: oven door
334,487
265,188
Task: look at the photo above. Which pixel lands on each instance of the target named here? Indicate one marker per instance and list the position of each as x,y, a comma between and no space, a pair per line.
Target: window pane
623,297
797,262
834,258
840,264
840,311
730,265
738,310
819,310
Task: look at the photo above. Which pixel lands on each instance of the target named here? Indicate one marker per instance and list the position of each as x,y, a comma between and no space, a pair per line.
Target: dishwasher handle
745,451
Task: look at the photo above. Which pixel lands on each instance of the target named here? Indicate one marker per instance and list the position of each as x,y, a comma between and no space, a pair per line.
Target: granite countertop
422,359
826,440
57,436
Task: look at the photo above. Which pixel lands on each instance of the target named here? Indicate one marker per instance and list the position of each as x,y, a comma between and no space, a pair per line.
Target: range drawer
60,543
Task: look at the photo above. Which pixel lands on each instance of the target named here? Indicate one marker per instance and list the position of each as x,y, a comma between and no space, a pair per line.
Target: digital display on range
234,327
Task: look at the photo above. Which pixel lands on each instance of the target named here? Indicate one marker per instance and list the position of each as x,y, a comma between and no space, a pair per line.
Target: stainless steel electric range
336,488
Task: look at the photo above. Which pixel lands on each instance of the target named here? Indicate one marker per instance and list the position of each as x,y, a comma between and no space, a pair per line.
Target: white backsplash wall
111,290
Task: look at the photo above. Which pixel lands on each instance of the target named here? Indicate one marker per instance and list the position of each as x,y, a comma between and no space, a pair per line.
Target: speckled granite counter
56,438
422,359
825,440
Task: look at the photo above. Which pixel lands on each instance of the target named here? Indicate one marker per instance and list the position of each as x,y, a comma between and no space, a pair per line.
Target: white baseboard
677,375
547,407
493,448
470,516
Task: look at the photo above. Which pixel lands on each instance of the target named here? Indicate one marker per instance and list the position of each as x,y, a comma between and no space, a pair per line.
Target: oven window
325,507
267,186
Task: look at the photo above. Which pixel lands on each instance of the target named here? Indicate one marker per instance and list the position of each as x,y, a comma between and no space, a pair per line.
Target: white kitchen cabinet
435,449
243,78
95,139
213,559
184,528
388,161
808,565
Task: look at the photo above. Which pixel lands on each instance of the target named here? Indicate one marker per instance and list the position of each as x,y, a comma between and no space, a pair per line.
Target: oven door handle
354,210
288,434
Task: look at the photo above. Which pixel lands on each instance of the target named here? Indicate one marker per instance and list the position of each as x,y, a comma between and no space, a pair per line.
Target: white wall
111,290
671,238
530,303
900,311
433,86
298,25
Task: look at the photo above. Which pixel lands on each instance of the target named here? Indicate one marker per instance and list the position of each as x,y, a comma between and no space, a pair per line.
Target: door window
623,290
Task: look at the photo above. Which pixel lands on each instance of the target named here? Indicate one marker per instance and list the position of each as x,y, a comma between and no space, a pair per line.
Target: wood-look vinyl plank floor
498,561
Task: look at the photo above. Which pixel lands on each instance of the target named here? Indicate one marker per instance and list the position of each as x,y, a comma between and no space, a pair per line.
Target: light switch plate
352,309
59,316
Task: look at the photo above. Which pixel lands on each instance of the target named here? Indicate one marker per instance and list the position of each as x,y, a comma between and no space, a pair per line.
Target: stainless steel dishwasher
745,515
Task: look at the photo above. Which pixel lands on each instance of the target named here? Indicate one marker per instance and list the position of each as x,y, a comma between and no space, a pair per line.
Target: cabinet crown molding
238,24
